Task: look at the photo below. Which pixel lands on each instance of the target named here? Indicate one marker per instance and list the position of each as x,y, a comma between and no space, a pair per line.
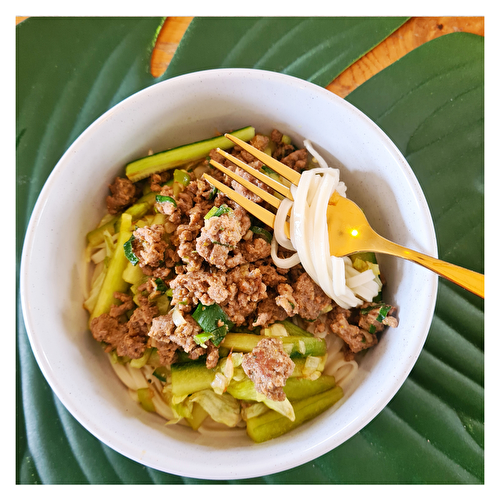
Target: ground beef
245,191
163,329
276,136
269,367
310,299
296,160
149,246
271,276
358,328
123,194
198,286
286,299
212,355
268,312
167,352
156,181
369,320
107,329
129,338
246,289
255,249
220,235
220,260
185,239
356,338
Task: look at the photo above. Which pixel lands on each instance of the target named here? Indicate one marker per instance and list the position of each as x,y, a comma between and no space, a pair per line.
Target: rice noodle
335,275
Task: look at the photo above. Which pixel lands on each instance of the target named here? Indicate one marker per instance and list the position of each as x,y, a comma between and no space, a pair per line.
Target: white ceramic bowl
179,111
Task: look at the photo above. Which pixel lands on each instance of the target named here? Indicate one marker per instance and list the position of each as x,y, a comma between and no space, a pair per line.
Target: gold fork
348,229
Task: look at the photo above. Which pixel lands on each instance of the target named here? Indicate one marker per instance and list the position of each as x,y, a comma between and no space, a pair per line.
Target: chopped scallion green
218,211
129,251
163,199
264,233
160,285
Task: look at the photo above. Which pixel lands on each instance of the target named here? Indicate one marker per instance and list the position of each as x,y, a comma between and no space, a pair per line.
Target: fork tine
277,186
277,166
261,213
272,200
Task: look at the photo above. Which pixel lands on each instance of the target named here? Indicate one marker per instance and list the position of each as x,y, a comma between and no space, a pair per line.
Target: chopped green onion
214,323
129,251
163,199
218,211
201,338
215,242
182,177
213,193
382,314
372,329
160,285
264,233
268,171
161,373
366,310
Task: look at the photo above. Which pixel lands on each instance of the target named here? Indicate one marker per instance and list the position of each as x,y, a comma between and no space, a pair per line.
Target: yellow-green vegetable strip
114,282
271,424
301,388
298,346
171,158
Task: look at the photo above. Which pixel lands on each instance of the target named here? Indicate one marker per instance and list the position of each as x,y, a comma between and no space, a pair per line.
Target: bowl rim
311,452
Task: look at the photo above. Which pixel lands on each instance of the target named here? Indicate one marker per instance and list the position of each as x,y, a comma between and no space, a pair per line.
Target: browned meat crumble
269,367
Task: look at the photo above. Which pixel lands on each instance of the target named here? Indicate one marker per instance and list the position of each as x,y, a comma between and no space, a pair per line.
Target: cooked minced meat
123,194
164,329
269,367
355,337
246,289
220,235
369,321
127,338
149,245
220,260
199,286
310,299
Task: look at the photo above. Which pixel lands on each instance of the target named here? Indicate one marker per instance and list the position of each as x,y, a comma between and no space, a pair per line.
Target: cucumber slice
191,377
271,424
301,346
171,158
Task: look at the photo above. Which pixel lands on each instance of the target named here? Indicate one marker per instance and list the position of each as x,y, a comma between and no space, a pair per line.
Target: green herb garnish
129,251
163,199
218,211
160,285
263,233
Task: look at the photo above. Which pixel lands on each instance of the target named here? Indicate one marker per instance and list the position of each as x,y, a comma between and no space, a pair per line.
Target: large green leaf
430,103
316,49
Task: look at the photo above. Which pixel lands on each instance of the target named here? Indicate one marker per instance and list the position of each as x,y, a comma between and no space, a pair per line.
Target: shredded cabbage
223,408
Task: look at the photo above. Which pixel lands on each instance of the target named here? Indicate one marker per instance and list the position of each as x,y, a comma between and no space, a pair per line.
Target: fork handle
470,280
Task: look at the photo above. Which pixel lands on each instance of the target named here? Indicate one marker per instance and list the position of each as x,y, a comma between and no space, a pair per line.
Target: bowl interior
175,112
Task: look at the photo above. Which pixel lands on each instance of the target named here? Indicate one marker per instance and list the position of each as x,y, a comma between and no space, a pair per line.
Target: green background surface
431,104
